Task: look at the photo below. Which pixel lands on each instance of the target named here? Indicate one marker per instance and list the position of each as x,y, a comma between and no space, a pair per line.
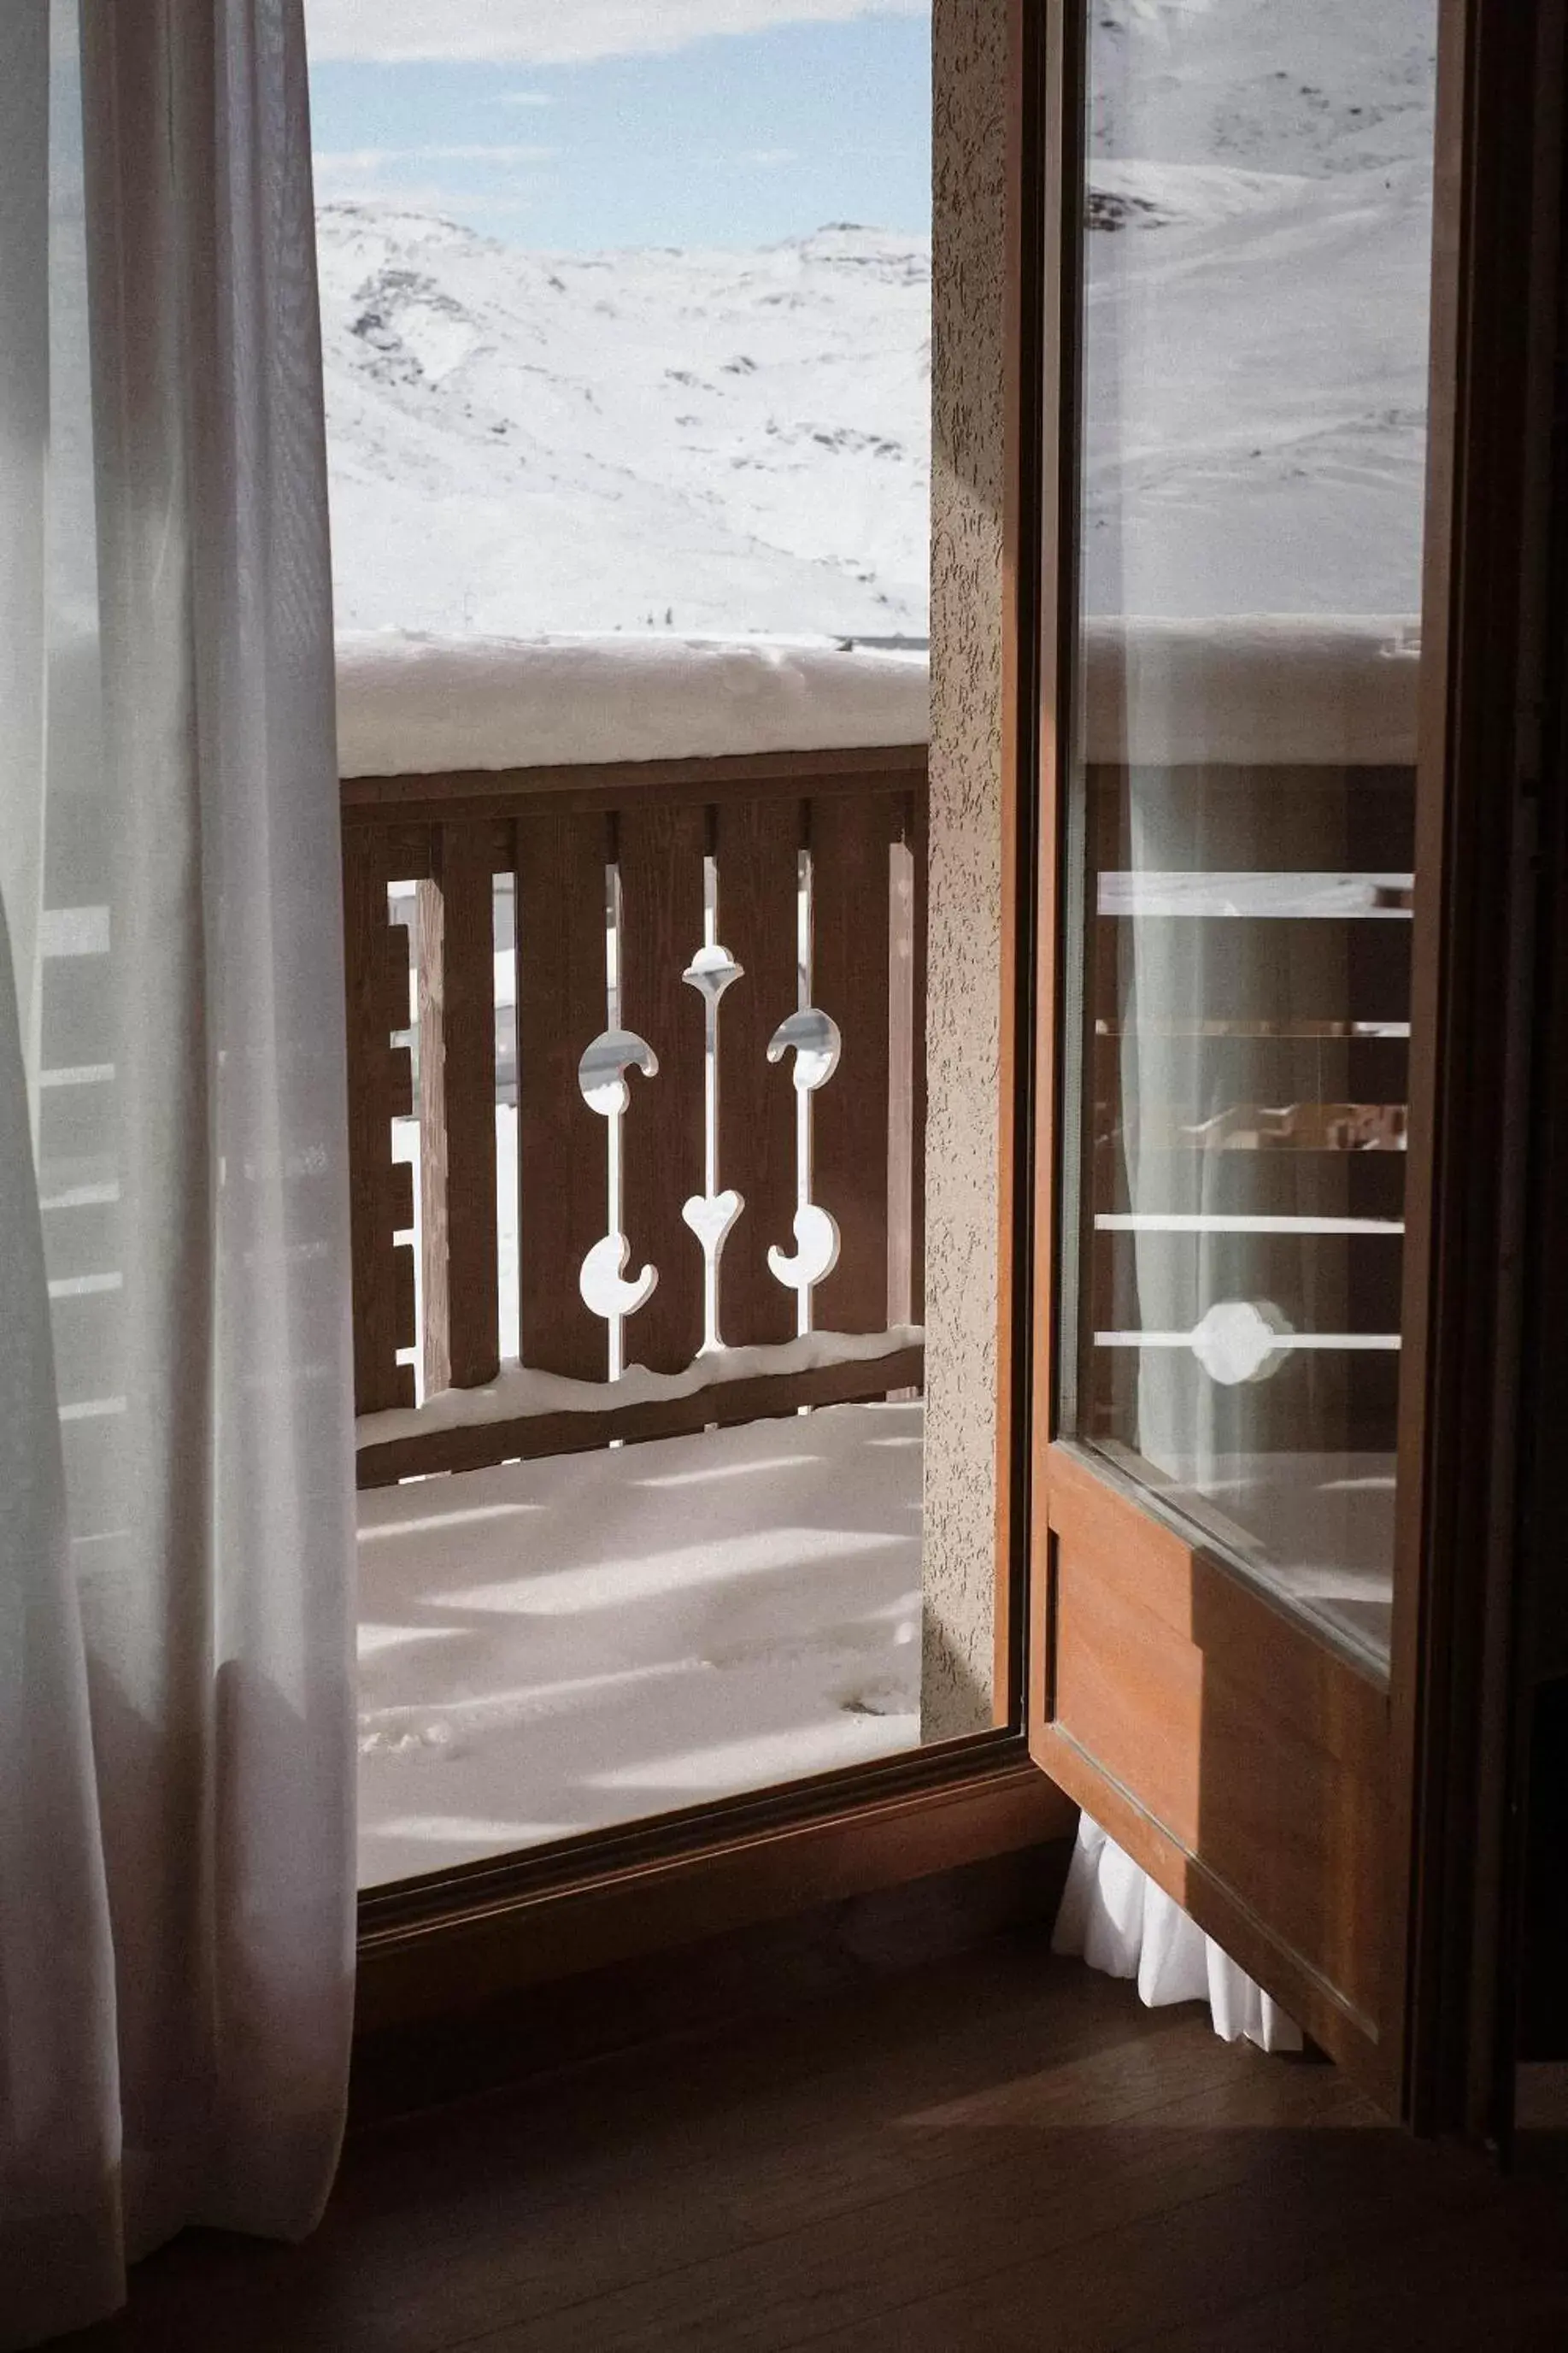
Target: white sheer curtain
175,1443
1114,1917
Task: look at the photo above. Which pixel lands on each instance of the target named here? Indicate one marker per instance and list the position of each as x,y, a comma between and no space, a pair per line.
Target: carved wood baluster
757,849
659,852
916,840
457,1106
561,1007
380,1090
850,834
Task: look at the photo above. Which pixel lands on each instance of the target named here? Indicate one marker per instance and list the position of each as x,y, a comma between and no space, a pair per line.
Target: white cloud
763,159
557,32
431,196
340,161
408,197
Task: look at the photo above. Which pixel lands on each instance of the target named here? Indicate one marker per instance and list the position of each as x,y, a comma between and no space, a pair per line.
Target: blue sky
725,138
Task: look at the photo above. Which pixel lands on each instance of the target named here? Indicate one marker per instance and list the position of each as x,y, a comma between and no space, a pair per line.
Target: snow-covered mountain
708,442
730,442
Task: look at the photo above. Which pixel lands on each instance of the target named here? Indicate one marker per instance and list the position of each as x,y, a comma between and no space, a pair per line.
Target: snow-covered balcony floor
553,1647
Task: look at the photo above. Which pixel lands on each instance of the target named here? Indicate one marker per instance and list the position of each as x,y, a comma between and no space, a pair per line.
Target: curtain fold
1114,1917
177,1871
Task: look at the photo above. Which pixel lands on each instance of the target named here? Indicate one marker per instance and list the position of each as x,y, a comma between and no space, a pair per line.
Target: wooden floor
995,2151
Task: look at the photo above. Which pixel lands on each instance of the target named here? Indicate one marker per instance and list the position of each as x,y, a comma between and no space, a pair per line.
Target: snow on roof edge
1275,690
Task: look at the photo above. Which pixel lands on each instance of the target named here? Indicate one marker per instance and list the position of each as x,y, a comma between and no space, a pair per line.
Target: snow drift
1270,691
420,705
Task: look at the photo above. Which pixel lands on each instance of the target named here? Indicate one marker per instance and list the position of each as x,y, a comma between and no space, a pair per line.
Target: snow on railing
1275,690
423,706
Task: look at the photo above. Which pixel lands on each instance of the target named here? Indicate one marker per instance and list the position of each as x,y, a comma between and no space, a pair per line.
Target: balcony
636,1057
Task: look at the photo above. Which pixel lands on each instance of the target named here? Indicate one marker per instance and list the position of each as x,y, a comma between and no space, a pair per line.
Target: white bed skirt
1114,1917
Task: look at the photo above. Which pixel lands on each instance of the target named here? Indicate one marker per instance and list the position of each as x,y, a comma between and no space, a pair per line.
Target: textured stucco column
969,276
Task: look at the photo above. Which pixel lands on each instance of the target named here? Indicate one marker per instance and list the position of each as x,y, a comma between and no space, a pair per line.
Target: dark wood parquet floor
997,2151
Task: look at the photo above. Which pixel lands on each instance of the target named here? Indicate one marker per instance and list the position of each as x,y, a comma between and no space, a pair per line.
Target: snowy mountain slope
733,442
713,442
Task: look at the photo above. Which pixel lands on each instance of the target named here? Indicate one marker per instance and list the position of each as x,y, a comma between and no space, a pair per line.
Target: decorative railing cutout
711,1214
710,1217
602,1076
710,973
813,1037
817,1046
816,1252
602,1072
600,1280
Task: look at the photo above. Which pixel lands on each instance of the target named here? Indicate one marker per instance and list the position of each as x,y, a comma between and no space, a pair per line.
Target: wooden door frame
1522,2014
1499,165
1496,337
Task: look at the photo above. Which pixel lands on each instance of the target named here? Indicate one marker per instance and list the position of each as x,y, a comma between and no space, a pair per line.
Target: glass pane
630,470
1255,342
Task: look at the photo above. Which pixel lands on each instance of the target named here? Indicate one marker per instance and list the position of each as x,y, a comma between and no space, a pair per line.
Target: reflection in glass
1254,400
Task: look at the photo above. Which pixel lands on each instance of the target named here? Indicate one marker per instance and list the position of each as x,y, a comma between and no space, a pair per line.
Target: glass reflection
1253,453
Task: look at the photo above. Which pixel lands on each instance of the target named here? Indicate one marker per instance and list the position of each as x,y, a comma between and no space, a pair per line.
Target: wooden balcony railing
717,997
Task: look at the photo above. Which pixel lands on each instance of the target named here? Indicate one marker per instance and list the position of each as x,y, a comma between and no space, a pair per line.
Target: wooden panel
457,1112
757,846
1286,1269
1236,968
410,843
1280,1183
849,841
533,1435
380,1382
402,1195
1358,1386
405,1327
562,1164
1257,1751
414,801
1276,1071
1216,816
660,852
500,2045
1306,1682
751,1869
917,838
395,982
